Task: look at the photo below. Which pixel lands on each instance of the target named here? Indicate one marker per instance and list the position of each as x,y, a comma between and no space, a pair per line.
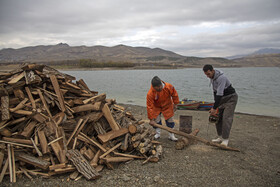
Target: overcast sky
187,27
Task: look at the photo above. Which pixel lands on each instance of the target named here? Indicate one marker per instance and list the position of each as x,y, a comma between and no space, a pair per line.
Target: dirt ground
258,163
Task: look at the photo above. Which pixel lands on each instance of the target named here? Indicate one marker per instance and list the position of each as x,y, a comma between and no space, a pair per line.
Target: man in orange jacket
162,98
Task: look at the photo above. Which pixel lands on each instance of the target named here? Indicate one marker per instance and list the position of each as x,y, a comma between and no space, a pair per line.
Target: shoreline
239,113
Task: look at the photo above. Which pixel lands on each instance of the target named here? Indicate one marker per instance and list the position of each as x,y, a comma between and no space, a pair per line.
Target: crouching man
162,99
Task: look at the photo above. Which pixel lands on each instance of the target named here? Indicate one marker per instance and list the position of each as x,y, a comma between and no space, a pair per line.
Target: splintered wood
51,124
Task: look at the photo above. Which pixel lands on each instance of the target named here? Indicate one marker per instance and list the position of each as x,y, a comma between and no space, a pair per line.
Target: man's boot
217,140
172,137
157,135
225,142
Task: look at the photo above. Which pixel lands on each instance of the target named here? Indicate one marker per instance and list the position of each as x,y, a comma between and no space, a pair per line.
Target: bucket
185,124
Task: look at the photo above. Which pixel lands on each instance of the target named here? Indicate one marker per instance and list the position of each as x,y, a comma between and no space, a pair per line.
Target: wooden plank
31,77
39,117
57,149
13,163
36,148
57,166
96,98
112,134
4,170
19,94
43,142
19,106
28,130
33,160
23,112
44,102
110,150
128,155
74,131
195,138
93,142
73,85
17,140
88,107
25,173
82,164
16,78
94,161
5,108
17,144
92,117
10,163
58,92
67,169
82,82
2,151
117,159
29,94
108,115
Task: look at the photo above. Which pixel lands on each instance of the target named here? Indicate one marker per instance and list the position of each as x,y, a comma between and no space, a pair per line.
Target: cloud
188,27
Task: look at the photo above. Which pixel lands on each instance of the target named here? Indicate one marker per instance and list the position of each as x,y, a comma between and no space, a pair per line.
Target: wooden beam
82,164
57,166
43,142
4,170
110,150
17,140
28,130
16,78
93,142
17,144
88,107
33,160
36,148
58,92
74,131
112,134
117,159
5,108
23,112
19,106
195,138
44,102
108,115
96,98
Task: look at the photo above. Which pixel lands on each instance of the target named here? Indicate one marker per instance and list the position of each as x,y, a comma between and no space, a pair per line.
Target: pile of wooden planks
51,125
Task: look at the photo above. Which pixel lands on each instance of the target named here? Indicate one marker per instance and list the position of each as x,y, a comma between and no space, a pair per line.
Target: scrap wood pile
51,125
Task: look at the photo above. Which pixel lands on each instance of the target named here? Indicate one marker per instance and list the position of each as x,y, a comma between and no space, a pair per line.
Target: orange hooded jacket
162,102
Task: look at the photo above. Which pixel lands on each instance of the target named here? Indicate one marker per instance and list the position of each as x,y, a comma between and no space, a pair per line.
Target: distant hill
125,56
258,52
65,52
263,60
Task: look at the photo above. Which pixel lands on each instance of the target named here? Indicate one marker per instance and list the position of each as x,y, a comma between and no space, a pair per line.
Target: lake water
258,88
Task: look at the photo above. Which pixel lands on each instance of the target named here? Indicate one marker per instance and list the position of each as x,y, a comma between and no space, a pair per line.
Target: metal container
185,124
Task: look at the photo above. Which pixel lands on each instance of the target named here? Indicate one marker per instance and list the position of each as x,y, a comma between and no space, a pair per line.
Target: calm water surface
258,88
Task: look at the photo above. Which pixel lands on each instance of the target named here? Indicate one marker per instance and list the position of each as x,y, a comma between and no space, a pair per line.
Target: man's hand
213,112
174,107
152,122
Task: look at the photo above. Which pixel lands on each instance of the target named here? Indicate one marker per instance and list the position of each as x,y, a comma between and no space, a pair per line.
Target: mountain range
63,53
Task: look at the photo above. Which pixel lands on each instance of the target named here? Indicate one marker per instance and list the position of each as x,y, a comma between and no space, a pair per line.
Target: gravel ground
258,163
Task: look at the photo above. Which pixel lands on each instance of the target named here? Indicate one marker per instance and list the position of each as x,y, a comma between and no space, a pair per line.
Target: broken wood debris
52,123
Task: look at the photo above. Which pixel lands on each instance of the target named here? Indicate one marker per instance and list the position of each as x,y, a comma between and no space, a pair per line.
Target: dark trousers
226,113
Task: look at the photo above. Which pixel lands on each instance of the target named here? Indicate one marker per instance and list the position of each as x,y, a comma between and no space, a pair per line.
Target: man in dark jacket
225,101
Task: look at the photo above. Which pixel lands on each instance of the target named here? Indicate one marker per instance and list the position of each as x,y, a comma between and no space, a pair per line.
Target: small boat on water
205,105
186,104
